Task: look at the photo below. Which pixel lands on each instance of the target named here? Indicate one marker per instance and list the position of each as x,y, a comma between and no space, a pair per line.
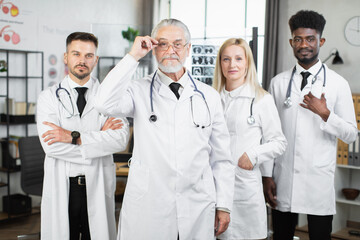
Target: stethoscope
153,117
251,119
288,102
72,113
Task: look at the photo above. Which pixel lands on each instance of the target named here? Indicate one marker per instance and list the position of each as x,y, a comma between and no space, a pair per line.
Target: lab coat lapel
188,91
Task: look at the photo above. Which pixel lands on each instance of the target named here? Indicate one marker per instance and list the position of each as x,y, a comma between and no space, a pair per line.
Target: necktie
175,88
305,75
81,102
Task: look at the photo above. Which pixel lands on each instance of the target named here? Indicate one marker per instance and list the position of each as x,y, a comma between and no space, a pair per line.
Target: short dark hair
307,19
82,36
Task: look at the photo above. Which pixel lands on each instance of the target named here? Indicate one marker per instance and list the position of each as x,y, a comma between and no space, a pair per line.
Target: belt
78,180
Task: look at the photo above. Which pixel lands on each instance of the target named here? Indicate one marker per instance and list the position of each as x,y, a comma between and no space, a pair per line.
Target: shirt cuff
223,209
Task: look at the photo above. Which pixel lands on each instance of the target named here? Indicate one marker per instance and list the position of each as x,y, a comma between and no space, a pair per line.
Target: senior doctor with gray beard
181,178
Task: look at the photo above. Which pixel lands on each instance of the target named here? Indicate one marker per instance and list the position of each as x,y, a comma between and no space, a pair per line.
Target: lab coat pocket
207,183
246,184
109,180
138,181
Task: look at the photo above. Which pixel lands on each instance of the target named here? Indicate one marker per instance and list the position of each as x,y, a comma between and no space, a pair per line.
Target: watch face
75,134
352,31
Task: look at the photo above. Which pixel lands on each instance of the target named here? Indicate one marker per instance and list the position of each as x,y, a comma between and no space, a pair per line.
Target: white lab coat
179,173
95,154
262,141
304,175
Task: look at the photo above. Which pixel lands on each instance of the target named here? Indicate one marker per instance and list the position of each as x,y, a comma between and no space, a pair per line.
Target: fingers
245,163
273,198
304,105
116,126
113,124
142,45
223,219
149,43
49,138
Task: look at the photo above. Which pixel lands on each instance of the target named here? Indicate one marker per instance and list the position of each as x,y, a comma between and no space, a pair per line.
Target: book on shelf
11,109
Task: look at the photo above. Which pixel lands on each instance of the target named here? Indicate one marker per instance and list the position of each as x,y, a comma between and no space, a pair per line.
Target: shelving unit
23,79
346,176
106,63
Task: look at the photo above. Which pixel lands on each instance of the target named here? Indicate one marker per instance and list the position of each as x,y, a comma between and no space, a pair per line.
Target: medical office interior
32,43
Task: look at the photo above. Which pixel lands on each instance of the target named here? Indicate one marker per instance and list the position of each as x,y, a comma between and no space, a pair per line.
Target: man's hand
113,124
141,46
58,134
245,163
317,106
222,220
269,191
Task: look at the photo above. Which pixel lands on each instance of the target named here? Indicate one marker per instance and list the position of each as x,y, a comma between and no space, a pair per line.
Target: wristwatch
75,135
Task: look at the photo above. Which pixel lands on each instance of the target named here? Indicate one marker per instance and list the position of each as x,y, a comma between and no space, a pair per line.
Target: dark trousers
284,224
78,217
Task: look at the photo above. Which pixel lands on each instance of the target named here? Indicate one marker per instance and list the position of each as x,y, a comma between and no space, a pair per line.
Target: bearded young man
79,173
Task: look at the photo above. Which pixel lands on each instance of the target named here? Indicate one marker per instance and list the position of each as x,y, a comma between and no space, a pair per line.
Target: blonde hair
250,77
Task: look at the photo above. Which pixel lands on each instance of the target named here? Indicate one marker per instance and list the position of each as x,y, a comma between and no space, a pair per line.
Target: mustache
81,65
170,56
305,49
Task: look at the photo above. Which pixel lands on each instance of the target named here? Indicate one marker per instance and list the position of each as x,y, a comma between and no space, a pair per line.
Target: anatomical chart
16,25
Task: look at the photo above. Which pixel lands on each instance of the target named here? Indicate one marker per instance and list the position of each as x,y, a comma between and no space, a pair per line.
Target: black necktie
81,102
175,88
305,75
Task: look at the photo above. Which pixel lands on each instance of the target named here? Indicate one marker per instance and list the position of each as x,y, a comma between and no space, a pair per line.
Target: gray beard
170,69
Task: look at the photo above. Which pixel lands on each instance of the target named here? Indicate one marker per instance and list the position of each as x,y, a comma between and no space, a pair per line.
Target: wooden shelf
352,202
2,169
5,216
3,184
21,77
344,234
122,169
348,166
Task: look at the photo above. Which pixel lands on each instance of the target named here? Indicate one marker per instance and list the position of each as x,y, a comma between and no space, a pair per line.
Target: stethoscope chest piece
153,118
251,120
288,102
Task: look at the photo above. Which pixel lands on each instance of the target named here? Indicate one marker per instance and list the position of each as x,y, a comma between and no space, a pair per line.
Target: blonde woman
256,136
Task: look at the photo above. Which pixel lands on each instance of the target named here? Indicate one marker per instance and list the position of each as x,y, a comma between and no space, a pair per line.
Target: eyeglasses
177,46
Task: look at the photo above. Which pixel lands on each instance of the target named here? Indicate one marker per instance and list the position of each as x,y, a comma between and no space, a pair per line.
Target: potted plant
3,66
130,35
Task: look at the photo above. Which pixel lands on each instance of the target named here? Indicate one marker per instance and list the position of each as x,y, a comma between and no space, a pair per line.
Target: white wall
336,13
51,21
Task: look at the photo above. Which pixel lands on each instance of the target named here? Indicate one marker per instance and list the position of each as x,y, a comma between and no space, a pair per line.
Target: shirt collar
313,70
167,81
74,85
242,91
